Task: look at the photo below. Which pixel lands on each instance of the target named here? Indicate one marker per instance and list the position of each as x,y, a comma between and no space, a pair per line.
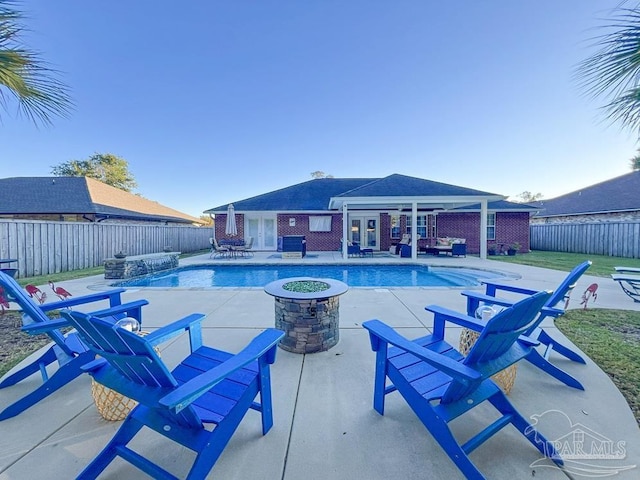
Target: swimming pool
203,276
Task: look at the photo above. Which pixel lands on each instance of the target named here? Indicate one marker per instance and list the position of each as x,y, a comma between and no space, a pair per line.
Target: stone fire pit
307,310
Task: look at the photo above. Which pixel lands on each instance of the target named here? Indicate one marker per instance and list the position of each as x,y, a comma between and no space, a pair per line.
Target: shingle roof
503,205
403,186
314,195
615,195
80,195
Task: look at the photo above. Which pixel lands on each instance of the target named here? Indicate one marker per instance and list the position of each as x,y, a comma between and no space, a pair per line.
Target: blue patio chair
67,349
555,306
208,387
440,385
629,280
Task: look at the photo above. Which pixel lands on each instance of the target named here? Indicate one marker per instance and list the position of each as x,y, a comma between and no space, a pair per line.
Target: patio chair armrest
112,295
190,323
442,315
94,365
38,328
492,287
380,333
130,309
528,341
551,312
262,345
474,299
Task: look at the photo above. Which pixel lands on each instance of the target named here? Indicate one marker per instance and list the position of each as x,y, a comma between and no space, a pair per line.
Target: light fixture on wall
292,222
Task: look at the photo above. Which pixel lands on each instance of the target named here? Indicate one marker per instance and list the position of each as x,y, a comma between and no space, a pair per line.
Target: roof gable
615,195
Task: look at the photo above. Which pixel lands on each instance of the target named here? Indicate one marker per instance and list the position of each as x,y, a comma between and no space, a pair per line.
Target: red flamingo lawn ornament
35,292
59,291
590,292
4,303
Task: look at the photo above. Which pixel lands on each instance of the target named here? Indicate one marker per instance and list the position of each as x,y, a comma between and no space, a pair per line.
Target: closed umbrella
231,228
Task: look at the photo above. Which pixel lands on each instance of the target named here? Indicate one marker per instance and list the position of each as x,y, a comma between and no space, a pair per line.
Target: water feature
139,265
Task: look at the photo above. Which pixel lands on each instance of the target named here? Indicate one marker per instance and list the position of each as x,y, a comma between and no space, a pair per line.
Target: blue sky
215,101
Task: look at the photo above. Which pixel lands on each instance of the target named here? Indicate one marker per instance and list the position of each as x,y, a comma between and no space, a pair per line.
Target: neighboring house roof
327,193
619,194
80,196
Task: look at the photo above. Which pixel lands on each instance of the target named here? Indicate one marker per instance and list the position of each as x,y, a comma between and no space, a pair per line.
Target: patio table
9,271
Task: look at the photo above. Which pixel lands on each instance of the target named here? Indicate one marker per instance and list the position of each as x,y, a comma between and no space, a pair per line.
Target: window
422,225
491,226
395,225
320,224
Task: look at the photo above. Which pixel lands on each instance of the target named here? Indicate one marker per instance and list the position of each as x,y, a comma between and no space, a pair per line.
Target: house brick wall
510,227
221,225
513,227
316,241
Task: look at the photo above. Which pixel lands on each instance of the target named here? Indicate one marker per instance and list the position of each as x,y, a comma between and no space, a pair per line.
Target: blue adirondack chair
439,384
555,306
208,387
67,350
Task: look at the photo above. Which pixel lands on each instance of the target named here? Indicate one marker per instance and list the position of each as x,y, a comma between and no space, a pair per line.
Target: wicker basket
111,405
506,378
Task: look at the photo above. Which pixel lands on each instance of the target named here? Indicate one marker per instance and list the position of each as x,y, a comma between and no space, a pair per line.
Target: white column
414,231
345,230
483,229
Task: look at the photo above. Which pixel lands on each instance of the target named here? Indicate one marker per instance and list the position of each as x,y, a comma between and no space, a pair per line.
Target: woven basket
111,405
506,378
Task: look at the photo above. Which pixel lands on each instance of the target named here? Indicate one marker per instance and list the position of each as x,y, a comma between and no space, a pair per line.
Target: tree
206,219
24,77
613,71
527,197
320,174
635,161
105,167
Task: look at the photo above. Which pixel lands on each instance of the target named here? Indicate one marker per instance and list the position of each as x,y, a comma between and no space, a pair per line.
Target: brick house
81,199
376,212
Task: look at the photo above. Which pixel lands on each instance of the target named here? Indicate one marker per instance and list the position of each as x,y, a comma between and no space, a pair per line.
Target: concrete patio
324,424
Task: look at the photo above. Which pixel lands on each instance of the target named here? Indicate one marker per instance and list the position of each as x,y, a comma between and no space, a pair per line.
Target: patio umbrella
231,228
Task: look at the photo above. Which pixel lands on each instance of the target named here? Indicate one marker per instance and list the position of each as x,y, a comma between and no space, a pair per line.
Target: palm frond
25,77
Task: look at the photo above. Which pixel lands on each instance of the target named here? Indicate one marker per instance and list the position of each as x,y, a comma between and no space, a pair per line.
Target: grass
611,338
602,265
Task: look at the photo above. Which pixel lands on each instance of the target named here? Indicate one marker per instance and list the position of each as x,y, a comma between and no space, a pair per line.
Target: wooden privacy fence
43,248
615,239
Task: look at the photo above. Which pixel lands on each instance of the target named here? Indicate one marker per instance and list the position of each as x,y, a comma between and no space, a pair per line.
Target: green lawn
602,265
611,338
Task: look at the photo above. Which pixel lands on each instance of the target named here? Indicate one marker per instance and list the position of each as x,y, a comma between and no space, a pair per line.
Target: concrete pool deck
324,423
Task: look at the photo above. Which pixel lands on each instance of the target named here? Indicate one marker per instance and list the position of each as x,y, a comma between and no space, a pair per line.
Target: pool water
203,276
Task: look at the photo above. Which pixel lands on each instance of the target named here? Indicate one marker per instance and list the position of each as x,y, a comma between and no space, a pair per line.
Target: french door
263,229
364,230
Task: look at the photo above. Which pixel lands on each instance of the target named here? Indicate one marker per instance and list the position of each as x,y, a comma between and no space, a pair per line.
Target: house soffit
394,203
